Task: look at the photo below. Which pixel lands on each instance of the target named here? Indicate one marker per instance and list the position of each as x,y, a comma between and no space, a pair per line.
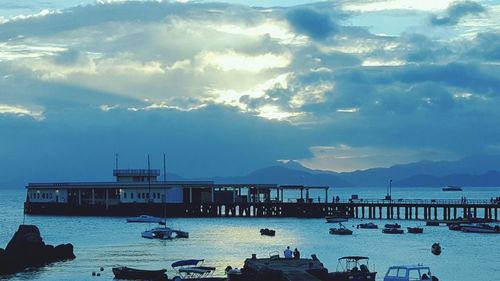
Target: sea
109,241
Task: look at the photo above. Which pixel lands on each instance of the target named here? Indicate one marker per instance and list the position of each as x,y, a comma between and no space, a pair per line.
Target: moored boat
164,233
393,231
336,219
452,188
436,249
455,227
129,273
480,228
267,232
146,219
341,230
352,268
193,269
369,225
392,225
415,230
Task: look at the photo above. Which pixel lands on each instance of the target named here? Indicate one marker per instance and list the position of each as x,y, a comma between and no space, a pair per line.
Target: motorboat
480,228
336,219
352,268
192,269
393,231
341,230
436,249
146,219
267,232
392,225
164,233
409,273
432,223
452,188
455,227
129,273
369,225
415,230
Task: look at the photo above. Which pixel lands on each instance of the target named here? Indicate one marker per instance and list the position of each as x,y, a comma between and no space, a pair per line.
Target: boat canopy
356,258
192,262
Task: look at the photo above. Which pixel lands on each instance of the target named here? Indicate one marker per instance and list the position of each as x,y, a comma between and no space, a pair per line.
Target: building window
125,195
131,195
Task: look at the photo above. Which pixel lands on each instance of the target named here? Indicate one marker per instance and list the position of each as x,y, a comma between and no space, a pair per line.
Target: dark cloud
318,25
456,11
486,46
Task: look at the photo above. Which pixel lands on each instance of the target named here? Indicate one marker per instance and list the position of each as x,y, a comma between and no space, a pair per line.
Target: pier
402,209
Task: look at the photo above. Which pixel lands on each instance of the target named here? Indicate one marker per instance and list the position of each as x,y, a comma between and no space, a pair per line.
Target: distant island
479,171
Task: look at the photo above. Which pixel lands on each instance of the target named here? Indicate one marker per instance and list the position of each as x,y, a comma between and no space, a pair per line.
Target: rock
27,249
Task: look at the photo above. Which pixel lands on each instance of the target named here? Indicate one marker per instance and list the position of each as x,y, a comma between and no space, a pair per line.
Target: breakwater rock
27,249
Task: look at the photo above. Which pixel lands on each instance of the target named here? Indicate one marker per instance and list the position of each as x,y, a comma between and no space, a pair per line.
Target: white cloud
231,60
381,5
21,111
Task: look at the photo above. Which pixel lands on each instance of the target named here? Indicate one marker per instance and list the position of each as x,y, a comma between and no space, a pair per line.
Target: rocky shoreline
26,249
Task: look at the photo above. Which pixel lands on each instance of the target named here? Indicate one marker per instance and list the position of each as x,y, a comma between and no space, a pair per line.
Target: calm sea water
109,242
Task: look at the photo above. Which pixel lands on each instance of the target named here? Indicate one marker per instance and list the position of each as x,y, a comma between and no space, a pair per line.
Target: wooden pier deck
403,209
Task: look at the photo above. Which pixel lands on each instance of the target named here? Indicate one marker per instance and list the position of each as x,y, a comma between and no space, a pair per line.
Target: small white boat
408,273
164,233
452,188
480,228
146,219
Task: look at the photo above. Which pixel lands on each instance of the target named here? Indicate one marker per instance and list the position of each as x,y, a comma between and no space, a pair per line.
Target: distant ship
452,188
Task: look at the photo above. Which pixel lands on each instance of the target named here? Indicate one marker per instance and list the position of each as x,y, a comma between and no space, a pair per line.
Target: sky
224,88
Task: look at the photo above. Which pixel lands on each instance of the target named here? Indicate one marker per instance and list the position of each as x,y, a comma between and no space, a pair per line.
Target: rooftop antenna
116,161
164,197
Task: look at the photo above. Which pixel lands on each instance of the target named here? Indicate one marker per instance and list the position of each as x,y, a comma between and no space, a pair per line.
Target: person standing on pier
296,254
288,253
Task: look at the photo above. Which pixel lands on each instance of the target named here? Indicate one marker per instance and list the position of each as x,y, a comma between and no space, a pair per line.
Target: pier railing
420,201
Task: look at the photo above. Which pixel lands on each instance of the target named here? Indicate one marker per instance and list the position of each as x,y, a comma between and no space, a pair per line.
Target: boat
192,269
455,227
452,188
146,219
393,231
336,219
129,273
341,230
436,249
369,225
480,228
392,225
415,230
408,273
352,268
267,232
432,223
164,233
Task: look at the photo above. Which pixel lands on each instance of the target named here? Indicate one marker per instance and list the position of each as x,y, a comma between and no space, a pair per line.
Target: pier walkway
404,209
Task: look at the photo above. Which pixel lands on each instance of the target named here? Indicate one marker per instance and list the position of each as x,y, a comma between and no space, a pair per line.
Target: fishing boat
480,228
393,231
192,269
409,273
452,188
129,273
341,230
352,268
164,233
369,225
146,219
415,230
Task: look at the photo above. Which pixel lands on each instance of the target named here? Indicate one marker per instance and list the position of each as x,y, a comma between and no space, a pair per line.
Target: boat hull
139,274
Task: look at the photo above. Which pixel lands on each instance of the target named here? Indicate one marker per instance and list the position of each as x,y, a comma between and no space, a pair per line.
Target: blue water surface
107,242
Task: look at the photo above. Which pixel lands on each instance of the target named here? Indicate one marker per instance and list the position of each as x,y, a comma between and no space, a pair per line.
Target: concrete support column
435,213
475,212
79,197
363,212
455,213
93,197
190,195
398,212
106,199
212,195
416,212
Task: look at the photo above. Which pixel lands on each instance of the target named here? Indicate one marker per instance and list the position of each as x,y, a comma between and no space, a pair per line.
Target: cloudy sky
225,88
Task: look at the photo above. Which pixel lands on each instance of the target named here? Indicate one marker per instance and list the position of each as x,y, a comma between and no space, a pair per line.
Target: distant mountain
468,171
282,175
